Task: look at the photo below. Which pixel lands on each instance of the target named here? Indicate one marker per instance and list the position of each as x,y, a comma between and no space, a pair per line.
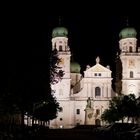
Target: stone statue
98,60
88,103
89,113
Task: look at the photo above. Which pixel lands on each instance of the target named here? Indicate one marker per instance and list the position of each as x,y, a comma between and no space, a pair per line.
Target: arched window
97,111
60,48
131,74
77,111
97,91
130,49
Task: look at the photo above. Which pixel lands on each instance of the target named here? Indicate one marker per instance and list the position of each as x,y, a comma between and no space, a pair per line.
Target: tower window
130,49
131,74
97,92
77,111
54,45
60,48
97,111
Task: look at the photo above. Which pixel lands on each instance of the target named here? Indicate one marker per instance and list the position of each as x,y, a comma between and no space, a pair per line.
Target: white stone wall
130,64
73,101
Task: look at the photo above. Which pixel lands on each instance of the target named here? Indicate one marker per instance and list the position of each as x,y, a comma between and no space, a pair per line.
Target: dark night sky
91,36
27,39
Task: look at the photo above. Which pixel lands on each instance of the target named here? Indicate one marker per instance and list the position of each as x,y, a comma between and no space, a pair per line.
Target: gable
97,71
98,68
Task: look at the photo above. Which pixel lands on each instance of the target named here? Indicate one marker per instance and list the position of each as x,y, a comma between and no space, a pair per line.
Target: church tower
60,42
130,59
62,88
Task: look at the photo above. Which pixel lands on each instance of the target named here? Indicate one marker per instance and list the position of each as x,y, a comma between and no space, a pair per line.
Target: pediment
98,68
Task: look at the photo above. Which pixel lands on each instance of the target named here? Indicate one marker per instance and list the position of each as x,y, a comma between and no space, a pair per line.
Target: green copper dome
59,32
75,67
128,32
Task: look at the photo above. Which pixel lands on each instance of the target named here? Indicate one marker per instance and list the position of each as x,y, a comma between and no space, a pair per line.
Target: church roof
128,32
75,67
59,32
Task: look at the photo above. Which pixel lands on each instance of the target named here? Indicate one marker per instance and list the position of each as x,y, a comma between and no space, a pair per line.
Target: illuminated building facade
73,91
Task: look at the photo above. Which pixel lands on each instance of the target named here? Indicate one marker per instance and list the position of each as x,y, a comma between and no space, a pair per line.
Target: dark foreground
110,132
68,134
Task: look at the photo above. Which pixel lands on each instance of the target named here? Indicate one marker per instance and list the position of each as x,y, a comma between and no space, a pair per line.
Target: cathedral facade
83,99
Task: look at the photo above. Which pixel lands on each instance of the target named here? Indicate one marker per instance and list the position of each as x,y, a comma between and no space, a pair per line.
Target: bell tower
60,42
62,88
130,59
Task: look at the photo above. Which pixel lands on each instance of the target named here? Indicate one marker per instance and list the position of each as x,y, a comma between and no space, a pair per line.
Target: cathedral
83,98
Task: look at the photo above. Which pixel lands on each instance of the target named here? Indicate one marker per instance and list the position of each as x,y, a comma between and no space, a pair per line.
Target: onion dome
59,32
75,67
128,32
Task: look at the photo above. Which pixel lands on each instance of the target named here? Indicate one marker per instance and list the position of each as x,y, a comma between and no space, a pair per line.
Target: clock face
61,61
90,115
131,62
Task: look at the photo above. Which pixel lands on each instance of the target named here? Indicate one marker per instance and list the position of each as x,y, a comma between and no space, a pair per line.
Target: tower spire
127,21
59,21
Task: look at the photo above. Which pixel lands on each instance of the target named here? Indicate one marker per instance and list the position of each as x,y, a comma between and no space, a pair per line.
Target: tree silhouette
121,107
48,110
